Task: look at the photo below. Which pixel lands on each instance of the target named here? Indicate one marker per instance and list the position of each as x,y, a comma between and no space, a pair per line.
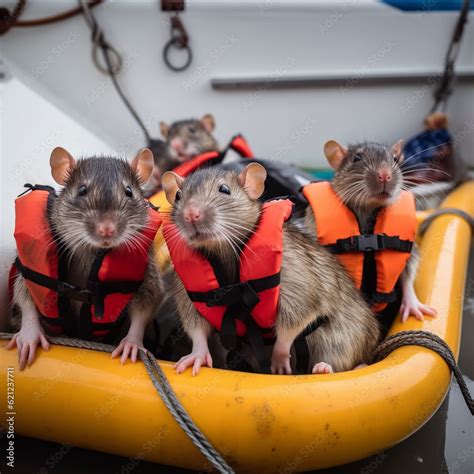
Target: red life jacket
390,244
247,307
238,144
115,276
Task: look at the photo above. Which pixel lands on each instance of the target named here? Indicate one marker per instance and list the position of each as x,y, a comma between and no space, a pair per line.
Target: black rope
113,66
441,212
444,89
429,341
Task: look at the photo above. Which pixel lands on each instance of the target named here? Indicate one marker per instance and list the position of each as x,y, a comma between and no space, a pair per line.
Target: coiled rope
166,393
429,341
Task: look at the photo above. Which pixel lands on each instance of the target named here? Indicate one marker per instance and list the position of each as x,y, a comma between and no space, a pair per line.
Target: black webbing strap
376,297
301,345
370,243
37,187
61,287
442,212
228,295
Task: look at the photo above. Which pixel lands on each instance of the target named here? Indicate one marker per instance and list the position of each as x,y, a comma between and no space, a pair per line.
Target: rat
100,208
189,138
183,141
215,212
368,178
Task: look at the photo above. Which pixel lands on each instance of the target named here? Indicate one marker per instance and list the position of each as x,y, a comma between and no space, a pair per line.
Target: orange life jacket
238,144
247,307
115,276
390,244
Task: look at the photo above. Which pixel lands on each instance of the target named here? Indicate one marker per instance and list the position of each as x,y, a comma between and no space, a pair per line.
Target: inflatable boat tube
257,422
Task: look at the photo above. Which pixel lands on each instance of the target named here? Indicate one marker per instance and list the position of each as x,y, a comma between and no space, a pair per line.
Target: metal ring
175,42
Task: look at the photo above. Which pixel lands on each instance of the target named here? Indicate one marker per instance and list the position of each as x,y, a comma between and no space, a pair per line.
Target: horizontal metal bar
344,79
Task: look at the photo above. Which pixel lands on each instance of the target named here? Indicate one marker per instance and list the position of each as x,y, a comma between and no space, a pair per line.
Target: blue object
423,5
426,148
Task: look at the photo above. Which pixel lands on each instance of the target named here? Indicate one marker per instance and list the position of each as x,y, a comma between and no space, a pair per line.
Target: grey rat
189,138
100,207
215,211
368,176
184,139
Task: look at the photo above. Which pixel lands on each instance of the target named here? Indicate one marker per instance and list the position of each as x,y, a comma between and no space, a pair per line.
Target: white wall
250,37
30,127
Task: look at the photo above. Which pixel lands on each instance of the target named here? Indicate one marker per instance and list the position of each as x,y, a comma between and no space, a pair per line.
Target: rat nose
106,229
192,214
177,144
385,176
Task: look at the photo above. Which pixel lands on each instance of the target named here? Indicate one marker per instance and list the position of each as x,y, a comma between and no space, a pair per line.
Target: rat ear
164,129
397,150
334,153
208,123
143,164
171,182
61,162
252,179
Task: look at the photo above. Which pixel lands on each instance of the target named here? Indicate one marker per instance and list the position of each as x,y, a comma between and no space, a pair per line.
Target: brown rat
368,177
215,212
101,207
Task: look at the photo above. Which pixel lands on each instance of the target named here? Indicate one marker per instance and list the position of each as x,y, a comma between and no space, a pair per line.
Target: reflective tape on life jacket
114,277
391,242
238,144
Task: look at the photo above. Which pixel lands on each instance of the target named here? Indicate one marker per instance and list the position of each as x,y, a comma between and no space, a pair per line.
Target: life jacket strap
377,297
245,292
61,287
96,290
301,345
370,243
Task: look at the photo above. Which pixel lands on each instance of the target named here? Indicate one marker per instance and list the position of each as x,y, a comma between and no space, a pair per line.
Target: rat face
101,205
368,175
214,209
189,138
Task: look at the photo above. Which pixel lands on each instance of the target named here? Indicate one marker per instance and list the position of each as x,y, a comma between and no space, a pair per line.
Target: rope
166,393
441,212
443,91
429,341
9,20
113,62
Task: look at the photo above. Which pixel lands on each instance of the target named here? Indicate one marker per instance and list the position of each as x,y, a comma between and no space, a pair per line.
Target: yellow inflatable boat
257,422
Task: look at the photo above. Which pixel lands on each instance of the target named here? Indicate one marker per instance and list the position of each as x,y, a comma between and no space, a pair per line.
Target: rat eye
356,158
223,188
178,196
82,191
396,158
192,129
128,191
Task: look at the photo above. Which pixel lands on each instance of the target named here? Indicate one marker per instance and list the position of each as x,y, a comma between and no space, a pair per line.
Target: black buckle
231,294
71,291
367,243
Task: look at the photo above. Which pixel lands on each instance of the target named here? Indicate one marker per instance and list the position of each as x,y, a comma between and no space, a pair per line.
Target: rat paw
412,306
280,363
196,359
322,368
128,346
27,341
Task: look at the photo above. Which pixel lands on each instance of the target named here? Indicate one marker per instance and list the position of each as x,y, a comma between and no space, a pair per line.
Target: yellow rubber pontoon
257,422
